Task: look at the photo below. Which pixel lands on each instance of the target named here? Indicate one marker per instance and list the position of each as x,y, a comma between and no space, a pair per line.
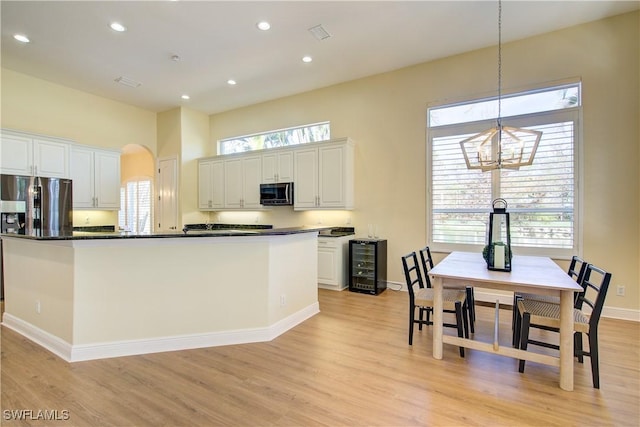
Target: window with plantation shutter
542,198
135,206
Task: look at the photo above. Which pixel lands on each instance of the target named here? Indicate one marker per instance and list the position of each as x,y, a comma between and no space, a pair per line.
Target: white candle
498,256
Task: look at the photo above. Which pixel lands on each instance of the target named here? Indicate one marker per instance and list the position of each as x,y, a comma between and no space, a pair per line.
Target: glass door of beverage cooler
363,272
367,266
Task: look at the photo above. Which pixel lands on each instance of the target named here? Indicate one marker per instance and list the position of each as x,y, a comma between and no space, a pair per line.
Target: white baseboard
56,345
77,353
485,295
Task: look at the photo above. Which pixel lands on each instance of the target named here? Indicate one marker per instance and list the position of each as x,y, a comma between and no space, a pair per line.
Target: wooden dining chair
421,298
577,268
427,265
545,315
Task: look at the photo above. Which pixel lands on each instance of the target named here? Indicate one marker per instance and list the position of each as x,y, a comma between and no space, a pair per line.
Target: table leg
437,318
566,340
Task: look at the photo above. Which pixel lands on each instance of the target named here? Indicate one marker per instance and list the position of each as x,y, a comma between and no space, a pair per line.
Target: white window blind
135,202
542,198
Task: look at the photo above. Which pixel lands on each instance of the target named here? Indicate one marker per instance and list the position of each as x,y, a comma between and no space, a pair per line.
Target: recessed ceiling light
263,25
21,38
116,26
231,82
186,97
307,58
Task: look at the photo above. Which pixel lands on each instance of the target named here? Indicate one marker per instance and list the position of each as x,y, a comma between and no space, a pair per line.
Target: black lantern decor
497,253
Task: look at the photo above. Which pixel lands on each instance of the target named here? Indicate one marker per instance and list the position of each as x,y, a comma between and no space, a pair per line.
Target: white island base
92,299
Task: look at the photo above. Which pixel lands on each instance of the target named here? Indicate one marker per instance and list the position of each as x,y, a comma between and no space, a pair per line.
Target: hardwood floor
349,365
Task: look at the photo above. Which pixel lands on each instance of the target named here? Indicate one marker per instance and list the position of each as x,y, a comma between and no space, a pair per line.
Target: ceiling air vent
319,33
127,81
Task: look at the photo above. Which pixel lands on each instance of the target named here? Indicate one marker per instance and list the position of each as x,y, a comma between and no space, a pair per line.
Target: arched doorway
137,167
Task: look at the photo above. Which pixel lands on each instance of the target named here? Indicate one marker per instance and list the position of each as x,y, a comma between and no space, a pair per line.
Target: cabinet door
306,179
285,167
82,177
107,179
16,155
277,167
331,180
217,184
205,185
233,186
51,158
251,178
269,168
327,269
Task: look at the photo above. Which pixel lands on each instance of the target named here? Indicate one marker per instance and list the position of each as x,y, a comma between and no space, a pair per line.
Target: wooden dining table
530,274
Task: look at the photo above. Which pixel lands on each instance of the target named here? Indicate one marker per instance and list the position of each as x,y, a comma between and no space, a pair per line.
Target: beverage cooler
368,266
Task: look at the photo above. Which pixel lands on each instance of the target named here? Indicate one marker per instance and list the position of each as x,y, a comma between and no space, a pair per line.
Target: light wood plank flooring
348,366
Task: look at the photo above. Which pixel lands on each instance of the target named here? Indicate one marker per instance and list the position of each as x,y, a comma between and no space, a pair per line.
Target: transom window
542,198
276,138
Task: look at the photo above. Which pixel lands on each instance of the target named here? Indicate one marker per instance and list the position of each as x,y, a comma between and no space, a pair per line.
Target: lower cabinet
332,262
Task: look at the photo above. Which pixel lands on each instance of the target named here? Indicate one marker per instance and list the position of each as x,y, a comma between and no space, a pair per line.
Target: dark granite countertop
193,230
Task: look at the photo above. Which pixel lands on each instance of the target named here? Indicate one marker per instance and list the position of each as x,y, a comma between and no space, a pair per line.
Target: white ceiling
72,44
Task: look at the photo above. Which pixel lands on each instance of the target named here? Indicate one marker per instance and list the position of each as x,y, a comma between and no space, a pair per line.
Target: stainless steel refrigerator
36,206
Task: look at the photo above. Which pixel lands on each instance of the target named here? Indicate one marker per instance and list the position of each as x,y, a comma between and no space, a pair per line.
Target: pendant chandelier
501,147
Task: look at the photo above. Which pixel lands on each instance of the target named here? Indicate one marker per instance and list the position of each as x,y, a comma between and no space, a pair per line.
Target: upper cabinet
277,166
210,184
242,178
324,176
231,183
33,155
96,178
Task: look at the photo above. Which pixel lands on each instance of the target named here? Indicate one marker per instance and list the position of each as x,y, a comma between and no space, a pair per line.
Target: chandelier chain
499,62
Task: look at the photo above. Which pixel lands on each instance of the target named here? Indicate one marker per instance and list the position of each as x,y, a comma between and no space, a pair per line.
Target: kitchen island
97,295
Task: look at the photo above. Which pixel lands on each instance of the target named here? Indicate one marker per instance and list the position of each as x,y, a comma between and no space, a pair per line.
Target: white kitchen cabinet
242,177
332,262
96,178
34,155
210,184
277,167
323,176
229,183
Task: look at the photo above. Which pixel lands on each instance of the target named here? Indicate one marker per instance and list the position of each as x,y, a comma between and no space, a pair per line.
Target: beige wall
195,144
385,114
137,164
38,106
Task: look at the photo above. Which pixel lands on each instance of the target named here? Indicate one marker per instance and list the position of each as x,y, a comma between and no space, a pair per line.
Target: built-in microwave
279,194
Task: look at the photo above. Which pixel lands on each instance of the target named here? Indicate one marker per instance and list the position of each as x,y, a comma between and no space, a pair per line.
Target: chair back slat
412,272
427,264
577,269
595,284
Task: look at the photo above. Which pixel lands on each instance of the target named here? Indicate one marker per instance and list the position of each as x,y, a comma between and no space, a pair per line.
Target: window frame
220,142
568,114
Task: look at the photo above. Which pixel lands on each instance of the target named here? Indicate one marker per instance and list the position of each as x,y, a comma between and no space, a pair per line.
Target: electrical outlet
38,306
283,300
620,290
